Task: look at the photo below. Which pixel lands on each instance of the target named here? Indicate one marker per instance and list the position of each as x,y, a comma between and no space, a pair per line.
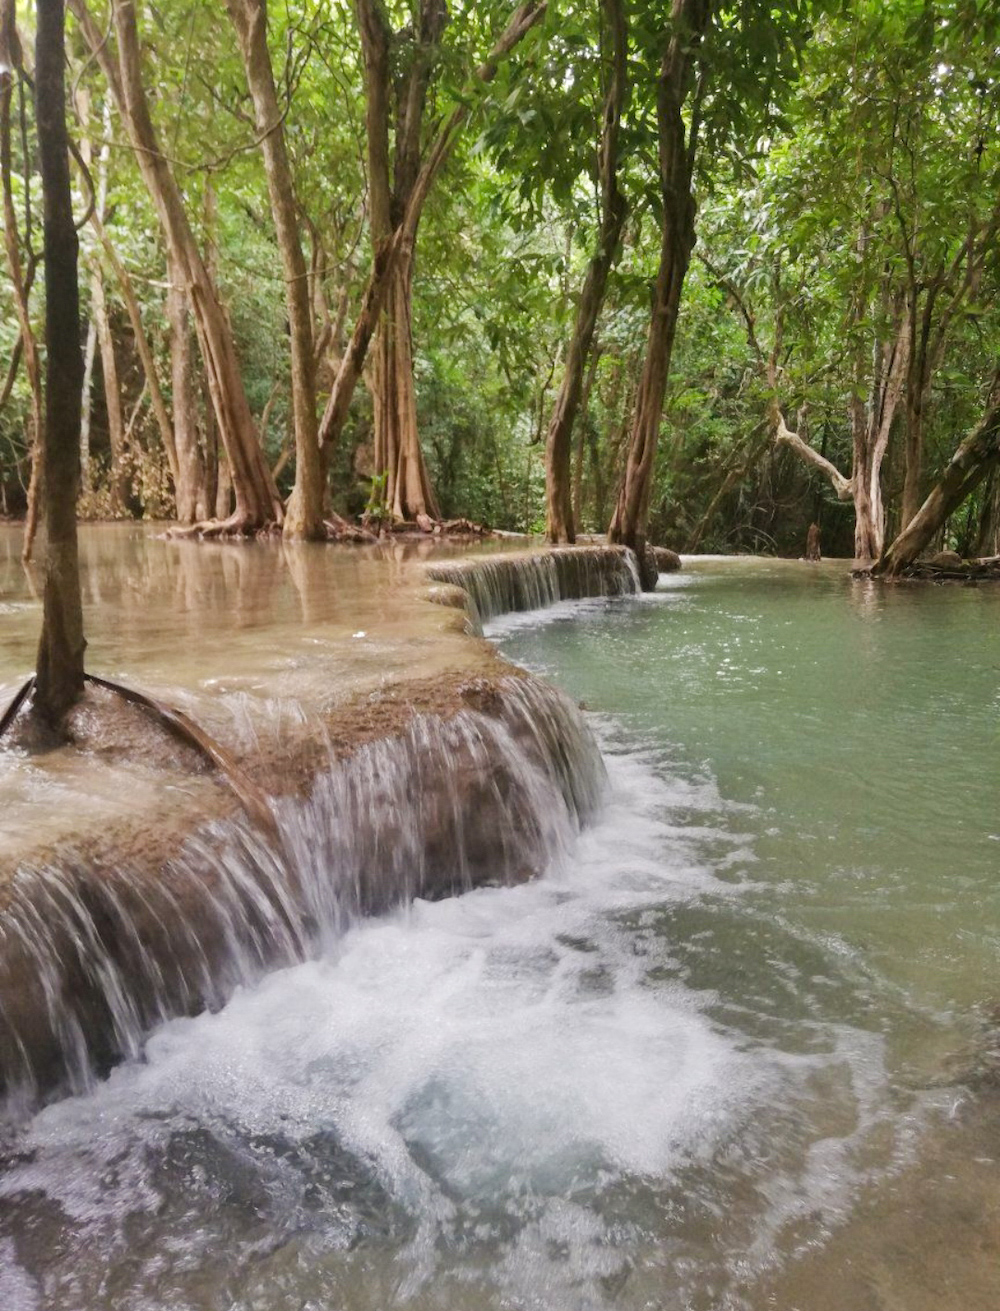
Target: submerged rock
945,560
667,561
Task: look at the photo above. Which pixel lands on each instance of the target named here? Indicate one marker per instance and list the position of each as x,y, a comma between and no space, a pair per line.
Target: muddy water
199,614
718,1057
241,636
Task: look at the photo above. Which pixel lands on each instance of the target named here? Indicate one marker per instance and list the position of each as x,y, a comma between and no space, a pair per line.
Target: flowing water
719,1056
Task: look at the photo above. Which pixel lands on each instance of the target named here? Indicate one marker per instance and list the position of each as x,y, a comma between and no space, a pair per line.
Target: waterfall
92,958
498,584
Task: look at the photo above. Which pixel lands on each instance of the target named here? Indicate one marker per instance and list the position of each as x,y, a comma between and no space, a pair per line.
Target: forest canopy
697,273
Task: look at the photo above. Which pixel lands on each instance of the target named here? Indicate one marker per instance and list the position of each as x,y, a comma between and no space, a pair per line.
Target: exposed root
237,525
946,567
251,797
10,714
339,529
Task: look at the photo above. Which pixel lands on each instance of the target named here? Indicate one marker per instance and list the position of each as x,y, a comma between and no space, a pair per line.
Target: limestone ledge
420,784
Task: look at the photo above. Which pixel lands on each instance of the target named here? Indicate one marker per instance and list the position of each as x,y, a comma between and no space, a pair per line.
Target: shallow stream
719,1057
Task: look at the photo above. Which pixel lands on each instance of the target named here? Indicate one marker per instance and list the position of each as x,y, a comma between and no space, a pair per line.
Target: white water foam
495,1100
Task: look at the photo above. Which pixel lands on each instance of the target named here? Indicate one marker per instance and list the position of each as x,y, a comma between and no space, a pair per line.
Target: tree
257,499
976,457
399,182
21,278
678,144
304,513
896,167
59,671
559,518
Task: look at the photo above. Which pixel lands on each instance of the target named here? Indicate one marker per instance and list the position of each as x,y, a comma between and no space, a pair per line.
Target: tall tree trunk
224,475
385,250
89,354
976,457
257,500
304,514
408,491
142,346
190,484
988,531
581,436
560,525
118,480
399,459
59,673
916,398
10,61
353,359
888,382
90,350
676,158
398,191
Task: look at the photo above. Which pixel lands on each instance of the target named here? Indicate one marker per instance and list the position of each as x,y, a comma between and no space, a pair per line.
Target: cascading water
670,1073
91,960
504,584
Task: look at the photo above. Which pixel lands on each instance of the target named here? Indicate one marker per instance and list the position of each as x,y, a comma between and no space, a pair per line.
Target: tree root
338,529
251,797
10,714
933,571
237,525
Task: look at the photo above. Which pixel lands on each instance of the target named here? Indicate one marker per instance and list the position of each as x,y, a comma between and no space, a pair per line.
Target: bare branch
844,487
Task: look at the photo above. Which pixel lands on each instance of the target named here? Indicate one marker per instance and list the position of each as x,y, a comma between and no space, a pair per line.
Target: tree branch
844,487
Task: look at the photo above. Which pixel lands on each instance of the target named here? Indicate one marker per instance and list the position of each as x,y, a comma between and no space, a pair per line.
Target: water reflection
182,611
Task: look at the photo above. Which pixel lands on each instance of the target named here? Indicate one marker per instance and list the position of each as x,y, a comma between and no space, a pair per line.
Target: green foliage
845,153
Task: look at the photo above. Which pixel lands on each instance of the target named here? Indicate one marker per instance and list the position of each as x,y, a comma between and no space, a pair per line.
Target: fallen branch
339,529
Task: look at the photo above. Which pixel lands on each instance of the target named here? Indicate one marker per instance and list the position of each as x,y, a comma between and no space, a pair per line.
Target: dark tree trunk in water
677,154
59,675
971,463
559,520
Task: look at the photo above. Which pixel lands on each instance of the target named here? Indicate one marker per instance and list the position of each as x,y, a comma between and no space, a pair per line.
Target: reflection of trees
866,597
160,603
158,598
308,568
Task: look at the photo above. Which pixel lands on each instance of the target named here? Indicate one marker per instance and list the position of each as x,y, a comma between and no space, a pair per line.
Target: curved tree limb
975,457
844,487
251,796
